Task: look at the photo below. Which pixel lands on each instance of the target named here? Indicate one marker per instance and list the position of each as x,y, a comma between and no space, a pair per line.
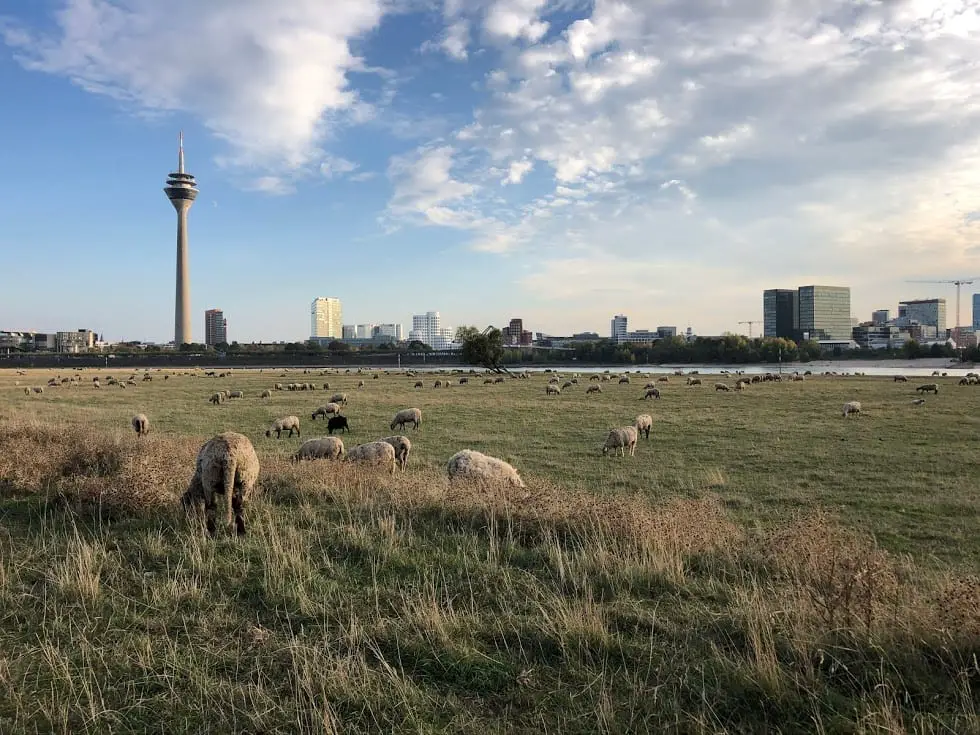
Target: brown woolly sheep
226,465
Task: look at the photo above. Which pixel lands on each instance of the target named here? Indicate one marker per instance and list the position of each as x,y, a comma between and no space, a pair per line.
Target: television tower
181,190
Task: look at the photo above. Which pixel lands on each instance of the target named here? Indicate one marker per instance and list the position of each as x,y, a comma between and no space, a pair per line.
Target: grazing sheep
325,411
594,379
277,386
464,381
498,380
918,401
326,447
226,465
469,464
593,389
694,381
339,398
38,389
722,386
566,385
286,423
741,385
141,424
644,422
266,394
337,423
216,398
360,383
621,439
236,394
27,391
552,389
420,384
553,381
488,381
624,380
380,453
852,407
928,388
402,446
663,379
901,379
405,416
652,393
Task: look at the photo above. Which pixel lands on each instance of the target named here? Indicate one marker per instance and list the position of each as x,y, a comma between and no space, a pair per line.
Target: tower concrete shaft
182,190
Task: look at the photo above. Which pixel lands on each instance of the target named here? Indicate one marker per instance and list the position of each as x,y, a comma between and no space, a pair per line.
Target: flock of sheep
227,465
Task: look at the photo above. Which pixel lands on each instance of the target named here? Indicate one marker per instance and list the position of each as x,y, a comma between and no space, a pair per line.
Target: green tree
338,346
481,348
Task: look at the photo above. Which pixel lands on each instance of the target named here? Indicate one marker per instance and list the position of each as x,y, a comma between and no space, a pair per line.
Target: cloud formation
270,78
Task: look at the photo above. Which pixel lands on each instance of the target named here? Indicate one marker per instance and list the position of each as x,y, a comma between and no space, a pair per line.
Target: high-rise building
976,312
325,318
515,334
825,312
879,318
388,331
931,312
427,328
666,332
364,331
181,190
215,327
349,331
81,340
618,330
781,313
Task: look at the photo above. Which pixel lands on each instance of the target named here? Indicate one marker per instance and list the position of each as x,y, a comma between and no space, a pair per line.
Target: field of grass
760,565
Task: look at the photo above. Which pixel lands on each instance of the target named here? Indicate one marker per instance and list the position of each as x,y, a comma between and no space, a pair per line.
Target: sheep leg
210,510
236,504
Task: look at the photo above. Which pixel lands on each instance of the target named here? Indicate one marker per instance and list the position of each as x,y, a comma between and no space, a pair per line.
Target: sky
556,160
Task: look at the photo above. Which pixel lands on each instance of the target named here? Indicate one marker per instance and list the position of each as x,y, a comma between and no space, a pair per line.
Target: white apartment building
618,329
325,318
390,331
428,328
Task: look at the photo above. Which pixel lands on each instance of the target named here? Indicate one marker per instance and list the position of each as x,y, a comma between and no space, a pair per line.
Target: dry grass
365,602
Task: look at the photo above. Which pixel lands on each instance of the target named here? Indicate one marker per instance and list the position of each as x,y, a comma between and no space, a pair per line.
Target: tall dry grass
392,601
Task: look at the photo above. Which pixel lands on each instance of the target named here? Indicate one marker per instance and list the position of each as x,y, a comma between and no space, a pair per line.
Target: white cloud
424,185
333,166
517,171
513,19
270,78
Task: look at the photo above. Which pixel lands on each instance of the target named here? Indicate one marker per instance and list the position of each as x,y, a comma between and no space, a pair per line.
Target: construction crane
750,323
957,282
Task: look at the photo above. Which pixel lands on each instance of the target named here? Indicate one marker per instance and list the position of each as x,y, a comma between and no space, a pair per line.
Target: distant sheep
420,384
339,398
325,411
552,390
464,381
141,425
694,381
326,447
469,464
379,453
567,384
498,380
226,465
338,423
216,398
901,379
286,423
651,393
722,386
406,416
594,379
643,424
236,394
437,384
277,386
593,389
929,388
852,407
402,446
624,380
622,439
38,389
663,379
360,383
918,401
266,394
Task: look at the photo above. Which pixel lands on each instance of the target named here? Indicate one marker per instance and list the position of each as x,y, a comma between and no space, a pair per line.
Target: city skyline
489,156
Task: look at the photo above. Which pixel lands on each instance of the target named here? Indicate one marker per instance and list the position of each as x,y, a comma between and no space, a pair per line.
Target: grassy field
760,565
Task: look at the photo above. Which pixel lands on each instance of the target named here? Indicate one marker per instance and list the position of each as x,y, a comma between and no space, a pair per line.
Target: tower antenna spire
180,152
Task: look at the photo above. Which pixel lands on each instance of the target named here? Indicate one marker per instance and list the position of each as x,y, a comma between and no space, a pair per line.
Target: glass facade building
825,312
781,313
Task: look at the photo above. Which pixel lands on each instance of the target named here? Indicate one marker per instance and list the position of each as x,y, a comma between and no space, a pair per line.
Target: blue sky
556,160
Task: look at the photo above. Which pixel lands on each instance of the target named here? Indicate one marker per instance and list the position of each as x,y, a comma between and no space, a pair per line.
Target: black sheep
337,422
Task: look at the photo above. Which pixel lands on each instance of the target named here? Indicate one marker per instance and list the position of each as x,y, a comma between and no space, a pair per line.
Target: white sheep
286,423
407,416
325,411
266,394
226,465
380,453
852,407
325,447
402,446
217,398
621,439
644,422
141,425
340,398
722,387
593,389
552,390
236,394
469,464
